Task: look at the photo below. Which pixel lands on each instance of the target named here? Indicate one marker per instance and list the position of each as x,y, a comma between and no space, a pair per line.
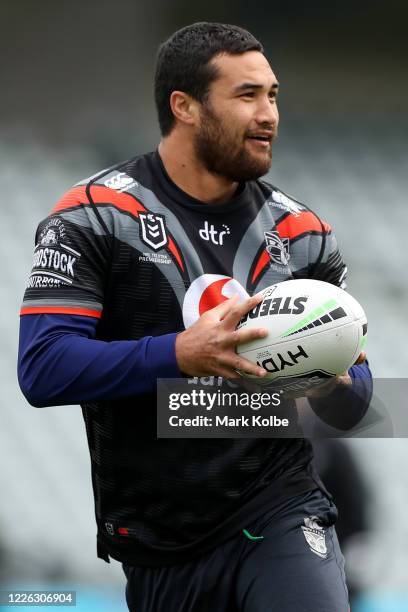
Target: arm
60,362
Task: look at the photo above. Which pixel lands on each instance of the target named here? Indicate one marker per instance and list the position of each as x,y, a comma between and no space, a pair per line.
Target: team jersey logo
50,237
315,536
153,230
280,200
54,261
211,234
277,248
53,267
206,292
53,233
120,182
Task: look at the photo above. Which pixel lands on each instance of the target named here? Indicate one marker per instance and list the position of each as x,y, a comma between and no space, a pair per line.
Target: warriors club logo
206,292
277,248
315,536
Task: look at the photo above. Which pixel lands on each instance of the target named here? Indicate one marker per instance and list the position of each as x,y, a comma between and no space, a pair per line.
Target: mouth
262,140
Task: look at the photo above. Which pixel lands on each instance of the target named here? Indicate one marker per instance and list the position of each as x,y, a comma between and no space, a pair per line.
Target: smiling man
165,251
230,132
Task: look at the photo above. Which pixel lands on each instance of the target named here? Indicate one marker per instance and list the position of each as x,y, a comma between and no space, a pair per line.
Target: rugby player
143,271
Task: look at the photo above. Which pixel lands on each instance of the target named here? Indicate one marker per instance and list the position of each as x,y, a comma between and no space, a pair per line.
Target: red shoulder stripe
124,201
72,198
86,312
292,226
100,195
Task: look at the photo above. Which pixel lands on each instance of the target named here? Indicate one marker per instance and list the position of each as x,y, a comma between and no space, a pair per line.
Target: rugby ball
315,329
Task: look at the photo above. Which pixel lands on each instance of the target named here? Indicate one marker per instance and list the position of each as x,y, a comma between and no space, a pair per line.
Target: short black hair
183,62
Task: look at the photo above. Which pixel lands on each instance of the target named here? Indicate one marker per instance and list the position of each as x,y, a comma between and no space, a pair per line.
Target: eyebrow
244,86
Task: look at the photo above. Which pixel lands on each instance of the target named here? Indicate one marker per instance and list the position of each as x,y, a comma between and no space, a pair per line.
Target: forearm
60,362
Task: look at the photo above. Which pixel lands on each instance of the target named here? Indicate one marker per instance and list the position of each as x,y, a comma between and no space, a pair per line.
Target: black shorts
288,560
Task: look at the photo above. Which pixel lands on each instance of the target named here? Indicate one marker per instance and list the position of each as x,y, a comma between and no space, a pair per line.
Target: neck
189,174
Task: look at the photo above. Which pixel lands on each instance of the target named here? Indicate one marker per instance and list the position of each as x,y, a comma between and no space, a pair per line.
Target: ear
184,107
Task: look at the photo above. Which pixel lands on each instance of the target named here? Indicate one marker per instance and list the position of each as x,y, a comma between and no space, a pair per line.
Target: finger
240,336
222,309
361,358
244,365
234,315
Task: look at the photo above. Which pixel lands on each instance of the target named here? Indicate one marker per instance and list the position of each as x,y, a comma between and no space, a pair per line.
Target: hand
208,346
339,381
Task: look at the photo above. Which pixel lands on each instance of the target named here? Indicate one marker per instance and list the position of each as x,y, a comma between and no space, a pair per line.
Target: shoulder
311,240
96,200
294,217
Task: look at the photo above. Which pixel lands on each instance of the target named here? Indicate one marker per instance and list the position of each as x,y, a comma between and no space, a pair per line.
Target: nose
267,112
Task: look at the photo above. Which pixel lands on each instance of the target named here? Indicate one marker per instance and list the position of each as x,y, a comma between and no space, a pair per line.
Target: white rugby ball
315,329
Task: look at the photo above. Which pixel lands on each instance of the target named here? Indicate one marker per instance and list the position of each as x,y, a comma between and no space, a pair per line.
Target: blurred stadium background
76,96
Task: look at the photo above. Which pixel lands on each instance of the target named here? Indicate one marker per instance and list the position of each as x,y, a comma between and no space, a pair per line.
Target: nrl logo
315,536
153,230
277,248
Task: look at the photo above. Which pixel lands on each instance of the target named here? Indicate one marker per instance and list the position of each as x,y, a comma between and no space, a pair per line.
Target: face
239,119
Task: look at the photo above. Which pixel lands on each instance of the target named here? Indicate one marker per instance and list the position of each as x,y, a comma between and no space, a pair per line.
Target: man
143,271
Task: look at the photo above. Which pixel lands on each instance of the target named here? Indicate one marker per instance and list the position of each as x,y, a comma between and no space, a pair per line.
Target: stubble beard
223,155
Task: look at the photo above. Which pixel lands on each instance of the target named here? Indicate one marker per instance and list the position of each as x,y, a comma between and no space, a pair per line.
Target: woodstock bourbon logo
153,230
